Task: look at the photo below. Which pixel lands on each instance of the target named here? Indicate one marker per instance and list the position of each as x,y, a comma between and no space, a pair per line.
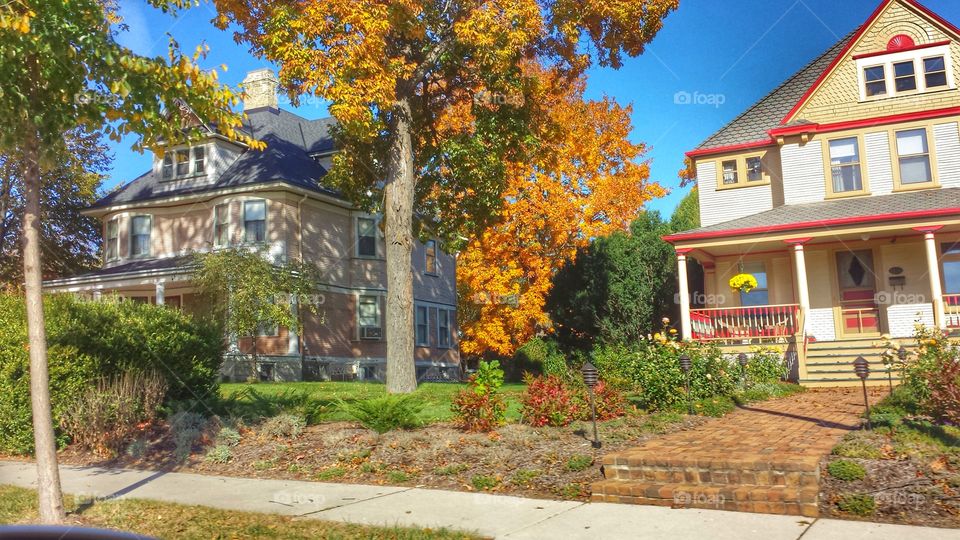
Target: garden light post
862,368
742,358
589,373
685,366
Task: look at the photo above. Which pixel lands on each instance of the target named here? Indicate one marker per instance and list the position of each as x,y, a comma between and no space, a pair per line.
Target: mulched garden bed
516,459
906,486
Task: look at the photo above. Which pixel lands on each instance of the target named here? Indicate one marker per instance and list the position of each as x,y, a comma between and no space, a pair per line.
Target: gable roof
753,125
778,108
291,141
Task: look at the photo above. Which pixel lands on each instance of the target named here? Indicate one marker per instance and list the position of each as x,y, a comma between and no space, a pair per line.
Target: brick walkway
764,457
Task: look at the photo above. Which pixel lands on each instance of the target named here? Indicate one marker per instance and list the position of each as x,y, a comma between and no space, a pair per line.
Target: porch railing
951,308
742,323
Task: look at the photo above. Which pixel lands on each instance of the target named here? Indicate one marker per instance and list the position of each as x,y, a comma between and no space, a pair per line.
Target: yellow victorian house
839,192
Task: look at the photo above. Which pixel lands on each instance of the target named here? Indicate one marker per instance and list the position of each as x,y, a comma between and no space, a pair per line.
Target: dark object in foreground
62,532
862,368
590,378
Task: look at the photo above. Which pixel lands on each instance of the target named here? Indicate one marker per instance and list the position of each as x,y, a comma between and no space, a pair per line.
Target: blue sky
728,53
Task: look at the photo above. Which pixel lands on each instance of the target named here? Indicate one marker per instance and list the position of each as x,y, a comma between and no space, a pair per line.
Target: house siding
879,162
947,137
717,206
803,172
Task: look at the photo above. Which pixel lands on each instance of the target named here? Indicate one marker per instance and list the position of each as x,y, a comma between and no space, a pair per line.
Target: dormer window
742,171
905,69
184,162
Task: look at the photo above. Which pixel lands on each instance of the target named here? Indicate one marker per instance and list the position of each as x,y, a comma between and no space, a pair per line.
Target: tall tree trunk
48,475
398,199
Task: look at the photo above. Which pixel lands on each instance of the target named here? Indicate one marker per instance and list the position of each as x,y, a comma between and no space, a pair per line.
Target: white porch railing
951,309
743,323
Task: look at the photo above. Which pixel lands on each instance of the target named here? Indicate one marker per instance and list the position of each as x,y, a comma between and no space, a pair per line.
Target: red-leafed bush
549,401
610,402
944,402
481,407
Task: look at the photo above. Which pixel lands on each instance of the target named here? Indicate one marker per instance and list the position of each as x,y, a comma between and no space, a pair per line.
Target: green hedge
88,340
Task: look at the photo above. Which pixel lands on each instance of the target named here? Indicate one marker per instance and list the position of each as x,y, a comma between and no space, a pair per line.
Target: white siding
725,205
819,324
902,318
803,177
947,140
879,164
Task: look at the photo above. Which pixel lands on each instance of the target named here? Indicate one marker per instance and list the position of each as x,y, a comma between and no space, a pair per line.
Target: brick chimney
260,89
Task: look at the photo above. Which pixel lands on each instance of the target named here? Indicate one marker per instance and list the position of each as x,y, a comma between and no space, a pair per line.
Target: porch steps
776,486
830,363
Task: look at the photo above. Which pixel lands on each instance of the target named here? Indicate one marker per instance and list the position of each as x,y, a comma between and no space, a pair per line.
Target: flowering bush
481,407
933,375
766,365
549,401
609,401
743,283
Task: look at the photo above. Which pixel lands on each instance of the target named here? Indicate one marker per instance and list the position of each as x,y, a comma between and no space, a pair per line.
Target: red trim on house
856,220
866,122
798,241
930,229
905,49
683,251
863,28
731,148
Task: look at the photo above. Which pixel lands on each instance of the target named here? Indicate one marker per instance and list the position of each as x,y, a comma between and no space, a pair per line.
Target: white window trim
191,162
376,237
917,56
266,221
379,326
149,252
229,225
426,324
106,240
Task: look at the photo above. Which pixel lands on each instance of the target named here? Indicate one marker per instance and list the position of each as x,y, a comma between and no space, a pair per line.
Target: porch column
293,340
933,271
800,266
685,329
97,295
161,292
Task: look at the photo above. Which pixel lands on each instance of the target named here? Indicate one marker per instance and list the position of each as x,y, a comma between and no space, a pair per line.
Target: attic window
184,162
908,70
876,80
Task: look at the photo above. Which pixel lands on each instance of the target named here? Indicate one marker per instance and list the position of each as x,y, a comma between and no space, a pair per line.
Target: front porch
827,297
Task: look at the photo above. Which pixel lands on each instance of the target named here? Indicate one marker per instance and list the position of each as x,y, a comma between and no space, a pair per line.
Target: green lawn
167,520
318,400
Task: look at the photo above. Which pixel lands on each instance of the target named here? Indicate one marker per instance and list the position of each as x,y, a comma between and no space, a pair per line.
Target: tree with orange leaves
431,101
584,179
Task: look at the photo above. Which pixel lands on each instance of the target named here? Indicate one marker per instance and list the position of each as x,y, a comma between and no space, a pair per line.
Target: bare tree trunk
48,475
399,198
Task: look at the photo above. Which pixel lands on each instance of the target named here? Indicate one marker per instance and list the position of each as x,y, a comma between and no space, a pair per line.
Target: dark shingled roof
290,140
766,114
181,262
854,207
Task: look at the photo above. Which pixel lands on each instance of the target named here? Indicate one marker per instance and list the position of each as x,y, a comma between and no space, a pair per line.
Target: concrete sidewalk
488,515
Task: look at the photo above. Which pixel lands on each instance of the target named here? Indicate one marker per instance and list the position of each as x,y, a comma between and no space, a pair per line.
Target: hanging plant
743,283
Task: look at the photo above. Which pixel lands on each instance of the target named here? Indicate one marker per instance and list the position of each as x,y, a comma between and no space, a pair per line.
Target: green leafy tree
69,240
247,291
63,69
617,289
432,99
686,216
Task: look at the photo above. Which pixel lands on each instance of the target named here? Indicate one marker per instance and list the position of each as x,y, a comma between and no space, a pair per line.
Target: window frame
133,236
441,313
418,325
744,268
199,164
885,80
895,158
225,224
896,78
166,166
861,164
917,56
379,315
187,162
266,218
376,237
428,246
945,256
115,221
743,180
